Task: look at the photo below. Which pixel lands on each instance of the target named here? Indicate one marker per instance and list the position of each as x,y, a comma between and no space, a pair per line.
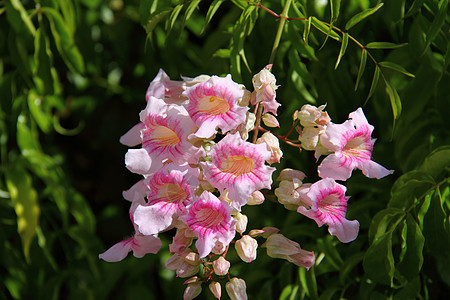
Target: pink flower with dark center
171,190
210,220
214,103
328,205
352,145
239,167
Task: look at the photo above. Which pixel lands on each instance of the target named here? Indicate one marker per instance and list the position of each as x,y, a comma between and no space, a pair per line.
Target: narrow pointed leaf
412,261
417,4
211,11
189,11
335,6
307,30
437,24
362,66
384,45
16,11
393,66
155,18
324,28
376,76
343,48
173,17
361,16
394,98
378,262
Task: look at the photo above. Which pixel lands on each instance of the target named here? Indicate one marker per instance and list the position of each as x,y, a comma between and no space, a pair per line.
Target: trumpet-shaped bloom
352,145
163,88
165,134
214,103
139,244
171,190
210,220
238,167
264,84
328,205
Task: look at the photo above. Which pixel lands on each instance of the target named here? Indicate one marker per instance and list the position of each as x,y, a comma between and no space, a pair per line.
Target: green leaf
417,4
64,41
189,11
344,44
24,198
437,162
308,282
16,12
437,24
289,292
410,186
307,30
362,66
324,28
348,265
411,263
38,110
378,262
394,66
410,291
394,98
173,17
373,86
384,221
155,18
330,251
43,64
27,139
361,16
335,5
384,45
211,12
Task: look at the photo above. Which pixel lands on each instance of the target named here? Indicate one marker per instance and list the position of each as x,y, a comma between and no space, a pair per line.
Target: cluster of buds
199,170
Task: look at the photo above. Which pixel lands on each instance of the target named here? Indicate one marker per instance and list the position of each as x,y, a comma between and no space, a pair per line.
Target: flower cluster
199,170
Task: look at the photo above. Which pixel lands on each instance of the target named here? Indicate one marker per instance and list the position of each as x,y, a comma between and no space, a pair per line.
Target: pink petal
144,244
117,252
138,161
133,136
333,167
152,219
346,231
374,170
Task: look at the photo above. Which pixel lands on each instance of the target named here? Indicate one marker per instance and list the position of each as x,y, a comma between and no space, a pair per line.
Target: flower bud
216,289
192,291
241,224
219,248
270,120
288,173
221,266
265,232
246,248
236,289
256,198
272,145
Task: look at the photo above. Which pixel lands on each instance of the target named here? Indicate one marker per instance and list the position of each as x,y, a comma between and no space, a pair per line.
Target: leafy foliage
70,70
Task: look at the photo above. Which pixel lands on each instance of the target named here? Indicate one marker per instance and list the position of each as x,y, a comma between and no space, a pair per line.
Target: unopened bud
221,266
270,120
246,248
216,289
192,291
256,198
288,173
241,224
236,289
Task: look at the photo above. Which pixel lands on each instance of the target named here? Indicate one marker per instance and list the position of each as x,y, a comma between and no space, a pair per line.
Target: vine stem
276,43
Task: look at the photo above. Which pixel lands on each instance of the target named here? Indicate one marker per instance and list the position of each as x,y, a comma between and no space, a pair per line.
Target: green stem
283,18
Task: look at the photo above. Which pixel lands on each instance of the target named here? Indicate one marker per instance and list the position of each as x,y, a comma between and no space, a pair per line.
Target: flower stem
283,18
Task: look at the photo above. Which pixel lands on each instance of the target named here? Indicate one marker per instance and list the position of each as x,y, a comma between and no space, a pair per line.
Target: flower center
171,192
357,147
163,136
237,165
209,217
213,105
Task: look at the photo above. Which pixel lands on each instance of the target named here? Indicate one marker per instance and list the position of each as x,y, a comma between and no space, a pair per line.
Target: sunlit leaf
211,12
173,17
39,112
394,66
335,6
394,98
308,282
324,28
411,262
361,16
408,187
384,45
64,41
155,18
344,44
378,262
24,198
307,30
373,86
189,11
18,17
362,66
331,254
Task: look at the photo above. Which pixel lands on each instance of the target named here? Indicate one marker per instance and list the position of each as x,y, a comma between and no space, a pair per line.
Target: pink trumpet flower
214,103
352,145
139,244
328,205
210,220
239,167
